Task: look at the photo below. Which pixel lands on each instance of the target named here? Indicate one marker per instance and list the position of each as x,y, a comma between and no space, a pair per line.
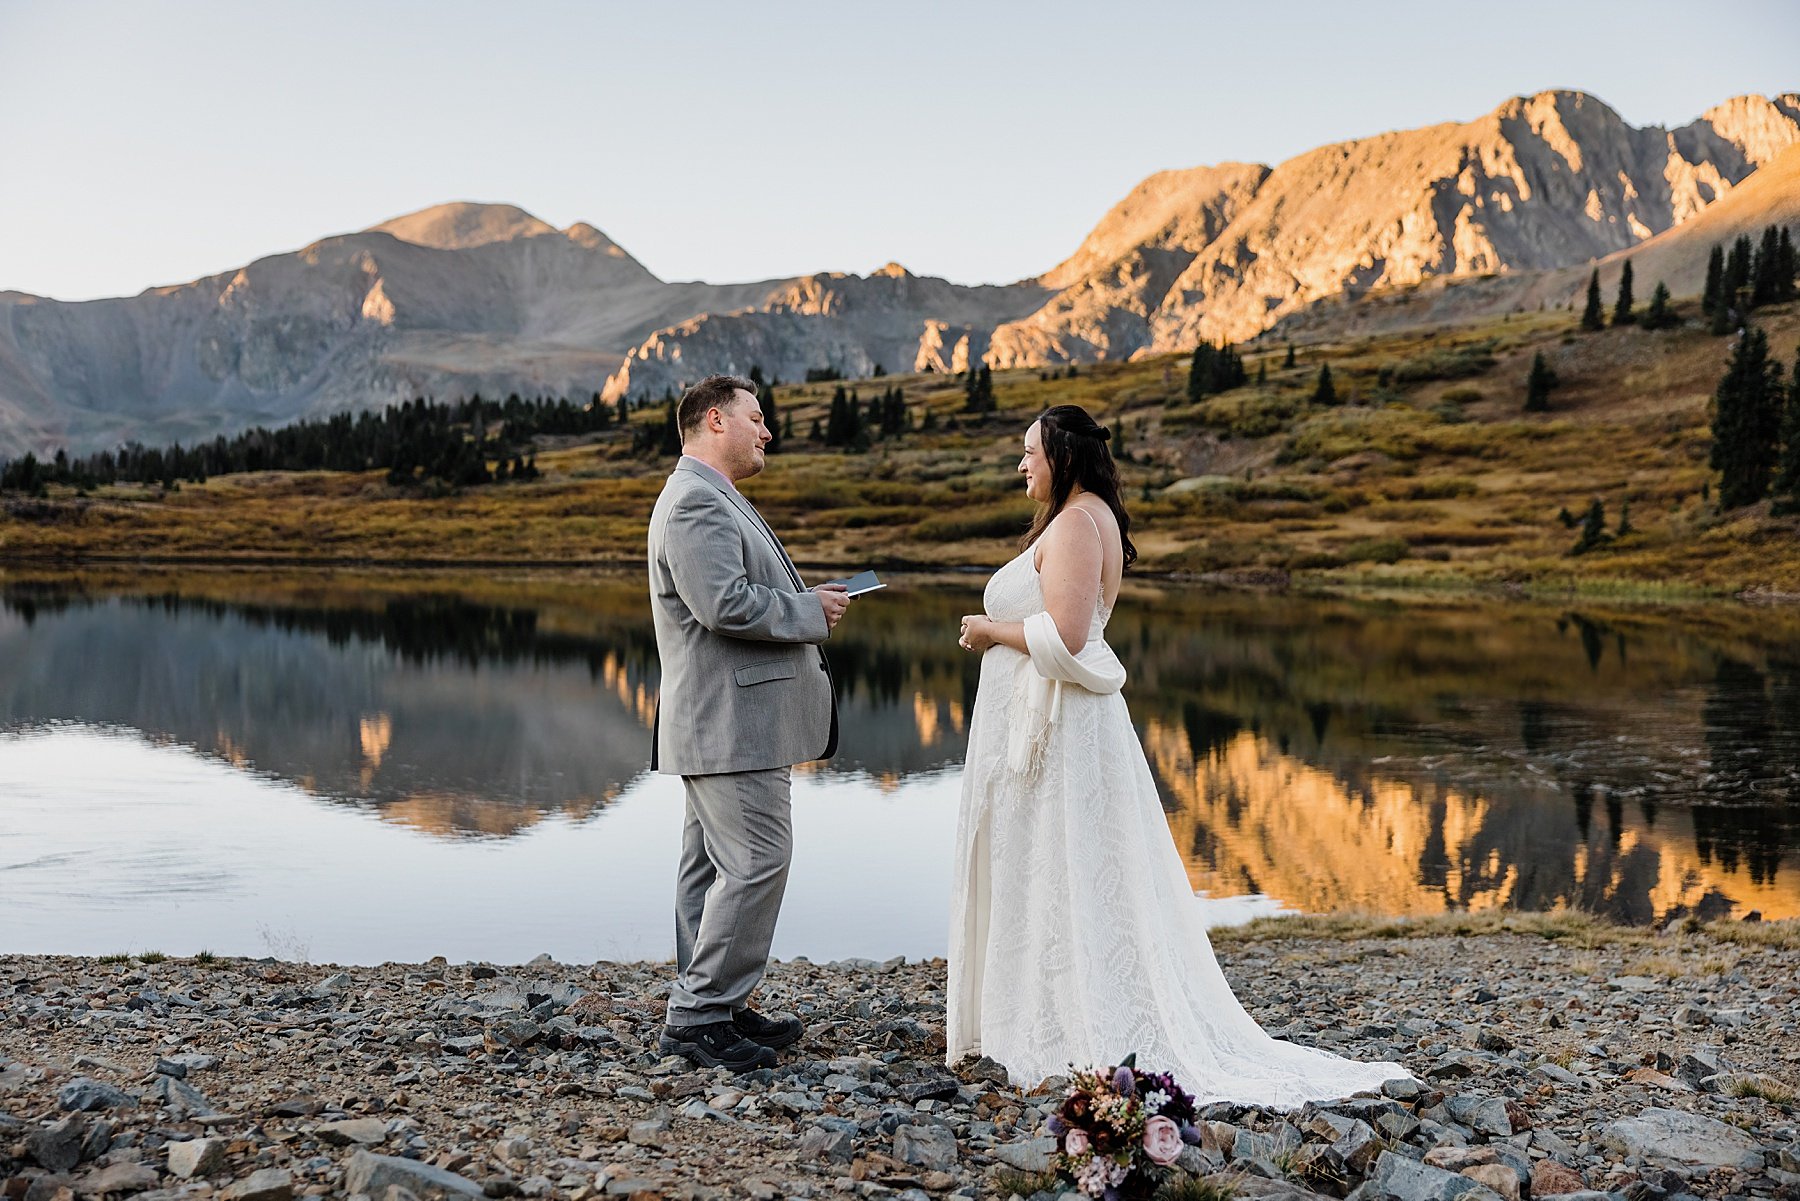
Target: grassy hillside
1429,474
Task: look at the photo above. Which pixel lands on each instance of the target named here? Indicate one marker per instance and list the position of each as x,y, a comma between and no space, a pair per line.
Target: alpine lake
362,766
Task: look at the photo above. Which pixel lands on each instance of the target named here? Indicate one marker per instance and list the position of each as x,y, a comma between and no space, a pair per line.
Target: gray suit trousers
735,848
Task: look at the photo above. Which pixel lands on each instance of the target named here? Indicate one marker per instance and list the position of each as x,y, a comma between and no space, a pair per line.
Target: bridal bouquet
1120,1129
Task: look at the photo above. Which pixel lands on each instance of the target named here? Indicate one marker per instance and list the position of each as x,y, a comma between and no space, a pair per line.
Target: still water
357,767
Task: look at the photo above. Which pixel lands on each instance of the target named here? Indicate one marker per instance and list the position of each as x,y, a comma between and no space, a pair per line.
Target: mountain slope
891,320
456,299
464,297
453,300
1541,182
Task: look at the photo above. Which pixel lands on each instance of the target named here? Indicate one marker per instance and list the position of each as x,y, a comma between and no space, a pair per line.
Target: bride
1075,937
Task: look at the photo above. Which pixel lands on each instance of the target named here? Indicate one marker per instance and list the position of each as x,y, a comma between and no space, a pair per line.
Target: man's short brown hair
713,392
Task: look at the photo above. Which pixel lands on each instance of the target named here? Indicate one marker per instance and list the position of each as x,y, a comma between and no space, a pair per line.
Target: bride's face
1034,466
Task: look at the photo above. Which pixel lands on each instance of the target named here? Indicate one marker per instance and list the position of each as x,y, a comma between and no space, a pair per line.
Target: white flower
1154,1100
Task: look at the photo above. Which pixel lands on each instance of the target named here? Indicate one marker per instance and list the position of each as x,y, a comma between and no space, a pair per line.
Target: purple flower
1124,1083
1190,1133
1056,1125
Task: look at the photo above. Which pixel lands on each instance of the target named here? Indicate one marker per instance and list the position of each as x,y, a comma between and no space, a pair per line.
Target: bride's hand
976,633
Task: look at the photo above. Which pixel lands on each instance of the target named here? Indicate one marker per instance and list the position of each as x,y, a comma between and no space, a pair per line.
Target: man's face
743,435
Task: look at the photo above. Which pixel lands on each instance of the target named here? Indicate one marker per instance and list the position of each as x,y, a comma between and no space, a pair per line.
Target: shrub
1463,396
1445,487
992,521
1376,550
1444,364
1248,414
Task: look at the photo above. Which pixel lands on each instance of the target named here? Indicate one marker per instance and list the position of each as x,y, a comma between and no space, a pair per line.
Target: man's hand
834,599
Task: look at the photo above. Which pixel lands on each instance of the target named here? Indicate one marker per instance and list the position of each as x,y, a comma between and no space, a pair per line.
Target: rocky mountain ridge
1541,182
464,298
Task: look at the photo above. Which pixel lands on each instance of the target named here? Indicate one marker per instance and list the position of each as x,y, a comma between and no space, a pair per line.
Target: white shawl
1096,669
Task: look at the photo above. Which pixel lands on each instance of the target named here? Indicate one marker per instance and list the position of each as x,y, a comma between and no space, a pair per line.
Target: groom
746,695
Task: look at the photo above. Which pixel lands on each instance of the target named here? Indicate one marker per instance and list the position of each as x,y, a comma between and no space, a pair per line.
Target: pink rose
1076,1143
1162,1140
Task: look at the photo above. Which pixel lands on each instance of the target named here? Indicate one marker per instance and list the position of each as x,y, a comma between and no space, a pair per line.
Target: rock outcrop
891,320
466,298
1541,182
453,300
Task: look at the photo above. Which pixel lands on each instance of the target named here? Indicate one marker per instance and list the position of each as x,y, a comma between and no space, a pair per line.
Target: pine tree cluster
415,440
850,426
1214,369
1748,276
978,390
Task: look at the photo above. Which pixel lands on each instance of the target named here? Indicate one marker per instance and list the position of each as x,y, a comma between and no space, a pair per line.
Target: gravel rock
1688,1138
374,1174
930,1147
189,1158
58,1145
269,1184
1032,1156
433,1059
84,1095
1401,1179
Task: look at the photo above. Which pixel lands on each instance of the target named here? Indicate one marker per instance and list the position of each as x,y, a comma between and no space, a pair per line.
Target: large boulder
1686,1138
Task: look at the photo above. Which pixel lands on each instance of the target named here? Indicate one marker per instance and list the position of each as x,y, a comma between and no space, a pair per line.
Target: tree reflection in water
1333,752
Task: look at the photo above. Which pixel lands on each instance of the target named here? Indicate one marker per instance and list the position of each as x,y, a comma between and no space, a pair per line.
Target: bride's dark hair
1075,448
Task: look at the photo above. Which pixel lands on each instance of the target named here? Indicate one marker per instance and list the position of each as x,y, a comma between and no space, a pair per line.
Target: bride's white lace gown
1075,936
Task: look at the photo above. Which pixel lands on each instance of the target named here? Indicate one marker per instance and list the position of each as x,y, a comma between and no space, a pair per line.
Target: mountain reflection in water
1333,753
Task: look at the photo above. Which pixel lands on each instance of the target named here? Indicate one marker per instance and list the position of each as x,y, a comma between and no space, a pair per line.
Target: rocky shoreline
1584,1067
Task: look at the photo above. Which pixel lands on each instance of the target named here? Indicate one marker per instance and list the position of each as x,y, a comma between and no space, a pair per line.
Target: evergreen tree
1723,318
1538,385
1786,266
1625,526
1289,361
856,427
1323,392
1787,477
1199,373
1746,422
1593,316
670,444
817,434
1765,277
1734,287
837,419
1593,529
979,391
1659,315
765,395
1262,372
1622,314
624,410
787,427
1711,297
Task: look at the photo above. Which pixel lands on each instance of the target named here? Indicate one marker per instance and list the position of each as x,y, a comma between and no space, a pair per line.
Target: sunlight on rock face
1252,819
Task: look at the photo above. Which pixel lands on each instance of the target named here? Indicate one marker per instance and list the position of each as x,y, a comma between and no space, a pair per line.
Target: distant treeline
461,443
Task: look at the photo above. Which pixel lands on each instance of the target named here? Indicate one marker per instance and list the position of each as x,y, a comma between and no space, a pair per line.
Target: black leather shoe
715,1045
773,1033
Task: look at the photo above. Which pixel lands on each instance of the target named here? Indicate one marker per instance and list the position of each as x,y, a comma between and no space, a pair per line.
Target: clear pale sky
150,142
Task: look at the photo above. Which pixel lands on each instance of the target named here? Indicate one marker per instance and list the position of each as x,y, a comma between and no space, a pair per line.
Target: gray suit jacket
744,683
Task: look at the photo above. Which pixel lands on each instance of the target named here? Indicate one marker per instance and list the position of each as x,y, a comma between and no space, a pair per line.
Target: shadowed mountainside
466,298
